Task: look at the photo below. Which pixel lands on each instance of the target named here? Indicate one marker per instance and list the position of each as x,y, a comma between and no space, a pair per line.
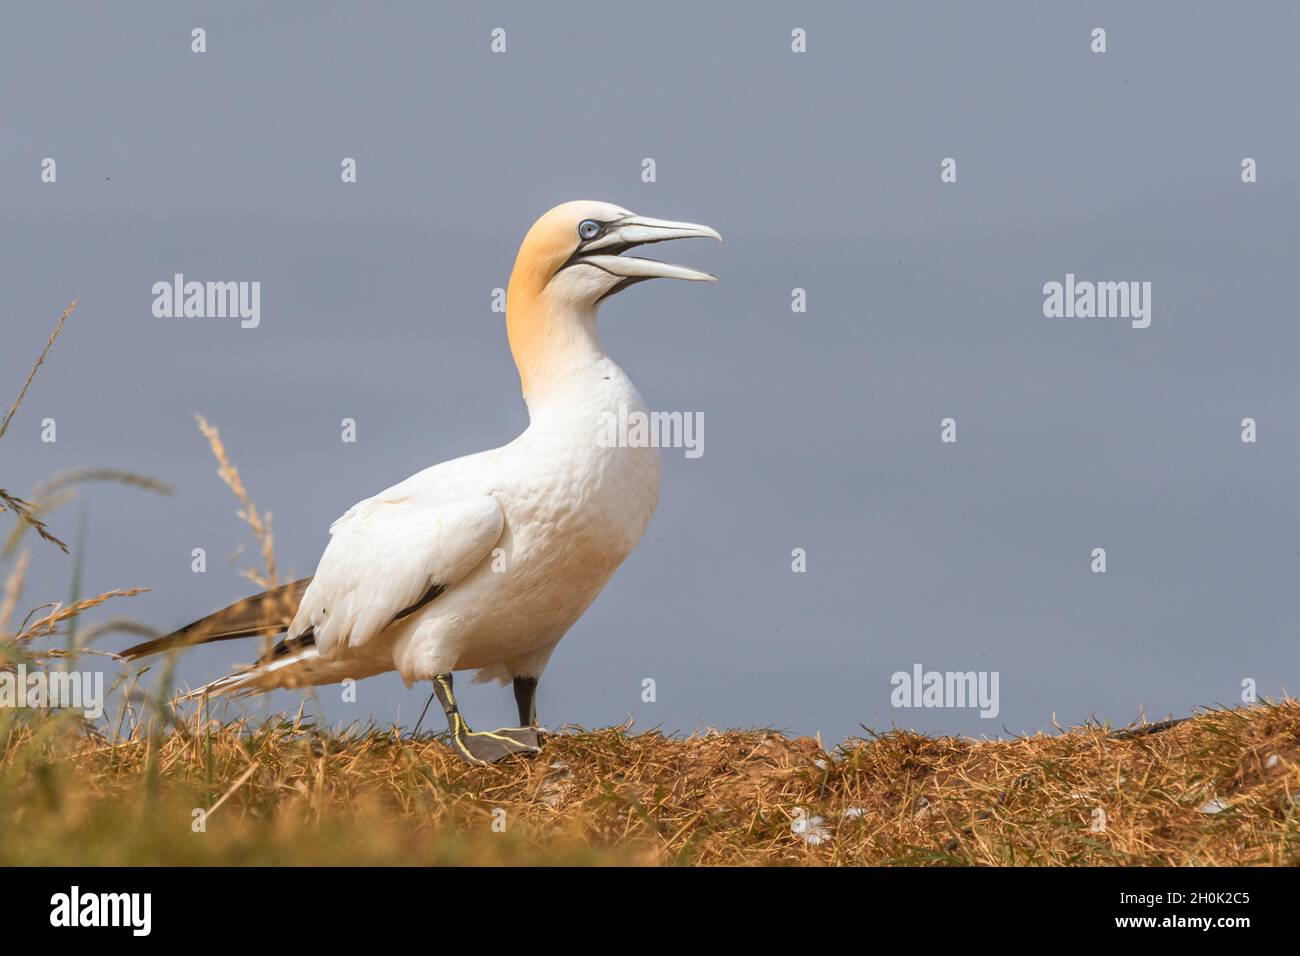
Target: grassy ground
1221,788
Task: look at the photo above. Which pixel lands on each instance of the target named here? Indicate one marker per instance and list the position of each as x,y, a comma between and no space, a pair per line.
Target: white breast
574,510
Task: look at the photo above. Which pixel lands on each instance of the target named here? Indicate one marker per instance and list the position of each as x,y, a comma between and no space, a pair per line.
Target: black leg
485,746
526,698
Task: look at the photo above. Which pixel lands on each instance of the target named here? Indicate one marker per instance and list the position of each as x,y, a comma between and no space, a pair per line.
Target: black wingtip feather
264,614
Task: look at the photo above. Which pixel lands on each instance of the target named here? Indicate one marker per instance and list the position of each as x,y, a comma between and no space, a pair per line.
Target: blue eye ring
589,229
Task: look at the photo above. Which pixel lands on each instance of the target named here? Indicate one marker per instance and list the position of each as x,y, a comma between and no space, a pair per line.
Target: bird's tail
266,614
290,664
281,667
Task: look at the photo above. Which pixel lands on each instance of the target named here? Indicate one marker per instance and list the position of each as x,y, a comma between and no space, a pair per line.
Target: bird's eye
590,229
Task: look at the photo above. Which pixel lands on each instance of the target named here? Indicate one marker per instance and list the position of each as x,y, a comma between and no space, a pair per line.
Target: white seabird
485,562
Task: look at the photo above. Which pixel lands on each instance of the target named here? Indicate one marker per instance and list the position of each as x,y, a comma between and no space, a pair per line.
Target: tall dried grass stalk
40,360
49,495
259,521
13,589
57,491
24,510
48,625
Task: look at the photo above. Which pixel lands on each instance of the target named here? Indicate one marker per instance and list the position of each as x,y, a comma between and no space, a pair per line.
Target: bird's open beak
605,251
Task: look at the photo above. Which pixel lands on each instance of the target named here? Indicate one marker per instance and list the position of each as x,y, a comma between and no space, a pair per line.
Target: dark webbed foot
485,746
489,746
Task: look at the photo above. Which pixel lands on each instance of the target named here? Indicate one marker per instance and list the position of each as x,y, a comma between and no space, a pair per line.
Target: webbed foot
490,746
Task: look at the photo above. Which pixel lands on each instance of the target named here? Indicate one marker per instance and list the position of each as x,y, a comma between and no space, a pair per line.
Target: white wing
387,556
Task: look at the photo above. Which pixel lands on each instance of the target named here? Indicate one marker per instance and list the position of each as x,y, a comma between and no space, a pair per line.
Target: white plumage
484,562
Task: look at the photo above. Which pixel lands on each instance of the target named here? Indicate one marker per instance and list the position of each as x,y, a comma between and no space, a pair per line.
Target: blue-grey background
821,429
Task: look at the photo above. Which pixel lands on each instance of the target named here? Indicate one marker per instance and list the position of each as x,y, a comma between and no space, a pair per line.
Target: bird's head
574,254
572,259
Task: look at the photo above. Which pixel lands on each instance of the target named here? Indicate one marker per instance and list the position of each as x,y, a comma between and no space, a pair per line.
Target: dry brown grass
11,502
61,490
16,642
283,792
1221,788
258,521
40,360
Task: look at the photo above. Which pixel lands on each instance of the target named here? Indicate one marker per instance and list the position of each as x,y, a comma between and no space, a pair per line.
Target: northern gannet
484,562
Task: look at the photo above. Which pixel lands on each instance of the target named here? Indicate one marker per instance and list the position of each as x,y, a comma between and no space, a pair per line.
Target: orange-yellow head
569,262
